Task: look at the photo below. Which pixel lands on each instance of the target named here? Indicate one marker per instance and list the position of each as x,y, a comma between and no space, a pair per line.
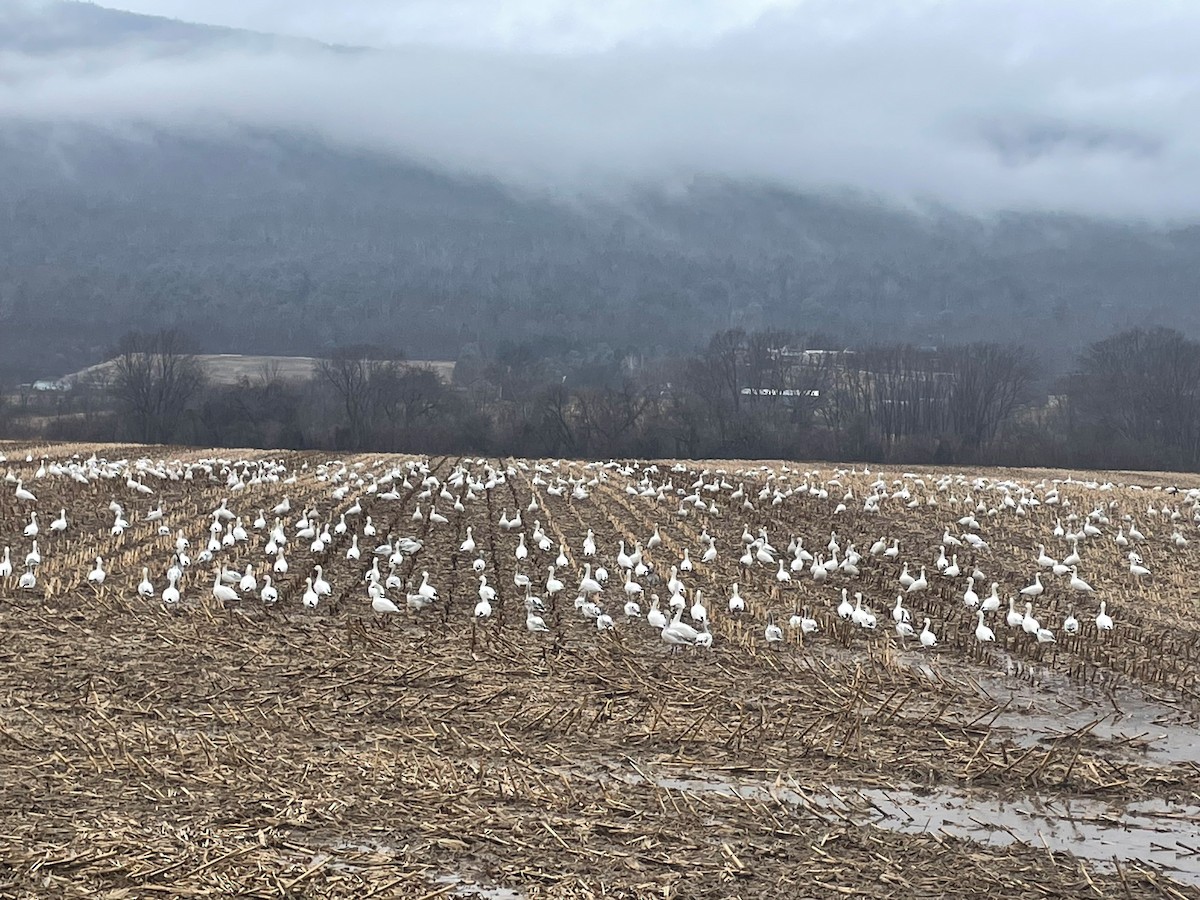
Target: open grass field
358,735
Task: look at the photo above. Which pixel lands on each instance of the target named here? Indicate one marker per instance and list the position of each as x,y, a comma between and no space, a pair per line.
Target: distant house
778,392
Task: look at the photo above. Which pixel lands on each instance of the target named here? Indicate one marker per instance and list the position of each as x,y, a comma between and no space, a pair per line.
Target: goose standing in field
736,603
320,585
678,633
426,590
97,575
21,493
311,598
1029,624
983,634
919,584
1078,584
223,592
381,605
1070,623
632,588
991,603
145,588
6,566
1035,589
808,625
655,618
248,582
170,594
1014,619
268,594
863,618
773,633
1104,621
31,530
928,638
589,585
970,598
1137,570
487,593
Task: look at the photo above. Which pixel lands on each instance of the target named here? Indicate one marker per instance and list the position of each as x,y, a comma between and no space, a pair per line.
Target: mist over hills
270,238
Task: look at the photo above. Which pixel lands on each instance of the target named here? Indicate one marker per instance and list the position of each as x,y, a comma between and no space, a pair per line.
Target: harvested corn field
294,675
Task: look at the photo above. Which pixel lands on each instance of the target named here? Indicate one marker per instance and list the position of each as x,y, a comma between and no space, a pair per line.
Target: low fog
1074,106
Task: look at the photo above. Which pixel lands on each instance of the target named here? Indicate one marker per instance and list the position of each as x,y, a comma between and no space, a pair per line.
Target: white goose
223,592
736,603
170,594
928,638
983,634
1078,584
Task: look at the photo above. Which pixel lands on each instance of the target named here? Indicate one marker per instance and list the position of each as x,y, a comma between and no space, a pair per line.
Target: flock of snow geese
393,572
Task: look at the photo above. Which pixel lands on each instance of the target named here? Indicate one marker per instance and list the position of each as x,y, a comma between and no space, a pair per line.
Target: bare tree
361,376
415,397
610,416
988,382
154,378
1143,387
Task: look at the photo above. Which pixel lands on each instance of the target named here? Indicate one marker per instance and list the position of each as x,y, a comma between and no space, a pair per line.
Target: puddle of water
465,887
1168,733
1155,831
1165,739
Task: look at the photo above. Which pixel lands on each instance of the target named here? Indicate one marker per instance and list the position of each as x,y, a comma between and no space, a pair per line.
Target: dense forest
273,244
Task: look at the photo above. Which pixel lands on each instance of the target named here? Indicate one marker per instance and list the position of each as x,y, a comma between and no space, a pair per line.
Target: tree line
1131,400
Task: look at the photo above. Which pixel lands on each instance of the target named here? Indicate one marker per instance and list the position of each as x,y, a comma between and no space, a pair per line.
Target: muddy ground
241,749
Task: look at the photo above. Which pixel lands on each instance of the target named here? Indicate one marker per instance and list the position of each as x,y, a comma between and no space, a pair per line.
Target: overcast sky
1088,106
557,26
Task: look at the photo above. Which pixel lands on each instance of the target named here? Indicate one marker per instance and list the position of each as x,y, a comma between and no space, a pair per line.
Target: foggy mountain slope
275,241
37,27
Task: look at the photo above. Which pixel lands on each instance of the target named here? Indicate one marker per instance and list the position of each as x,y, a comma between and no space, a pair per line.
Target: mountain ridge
273,241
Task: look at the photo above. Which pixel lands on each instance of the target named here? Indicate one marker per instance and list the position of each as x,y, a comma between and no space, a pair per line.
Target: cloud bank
1080,106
